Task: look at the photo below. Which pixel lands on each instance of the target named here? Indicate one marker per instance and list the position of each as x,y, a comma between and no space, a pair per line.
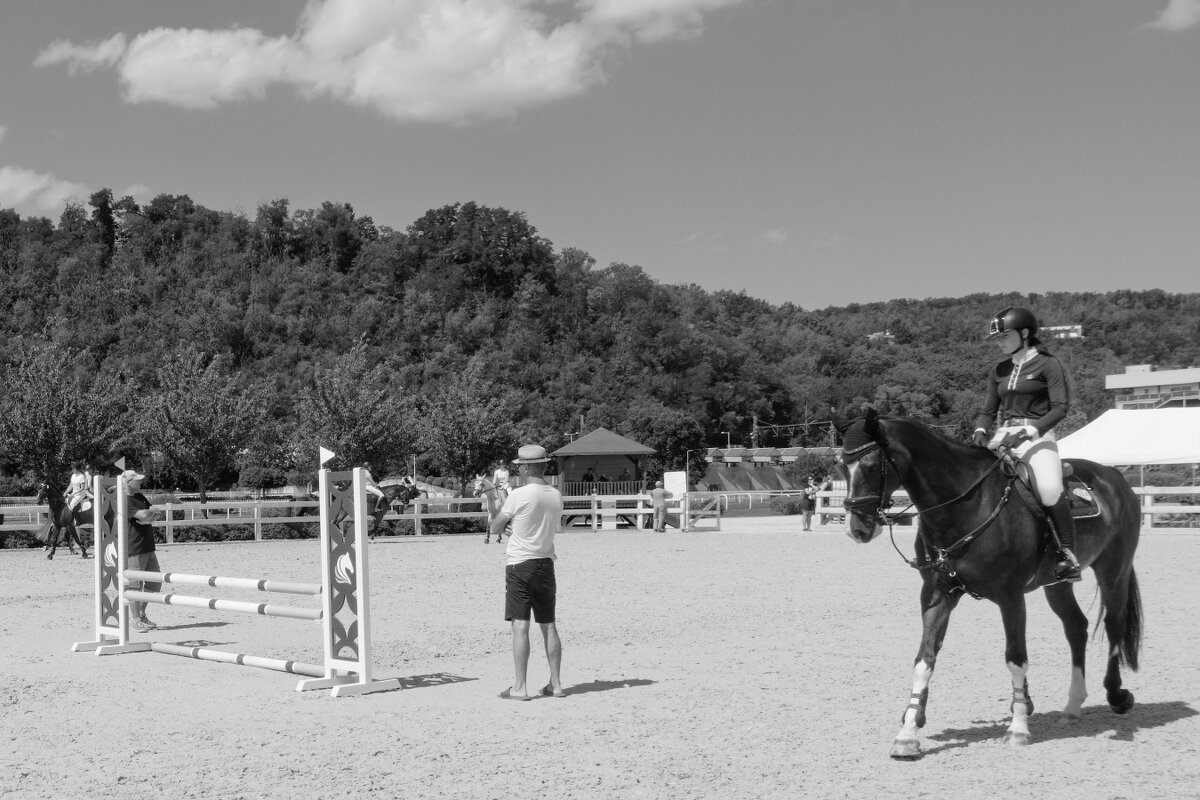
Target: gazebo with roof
612,459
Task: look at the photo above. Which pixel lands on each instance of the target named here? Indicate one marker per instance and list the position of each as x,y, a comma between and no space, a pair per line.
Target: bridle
939,557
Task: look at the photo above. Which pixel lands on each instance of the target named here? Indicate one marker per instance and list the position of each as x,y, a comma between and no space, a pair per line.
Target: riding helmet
1013,318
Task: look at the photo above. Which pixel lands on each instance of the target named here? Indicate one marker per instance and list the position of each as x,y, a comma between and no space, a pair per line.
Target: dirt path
756,662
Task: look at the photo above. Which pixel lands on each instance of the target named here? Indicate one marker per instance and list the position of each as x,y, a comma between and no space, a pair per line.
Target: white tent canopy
1144,436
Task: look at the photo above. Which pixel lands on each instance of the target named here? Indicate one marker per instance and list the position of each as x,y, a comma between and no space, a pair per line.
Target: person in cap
1027,395
534,511
139,550
658,499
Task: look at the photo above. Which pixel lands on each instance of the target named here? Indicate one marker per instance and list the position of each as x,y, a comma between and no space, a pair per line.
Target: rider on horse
79,490
500,478
1027,395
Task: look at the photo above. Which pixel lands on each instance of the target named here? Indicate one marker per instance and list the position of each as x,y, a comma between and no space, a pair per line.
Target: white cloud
201,69
776,236
1179,15
82,58
655,20
138,191
412,60
41,192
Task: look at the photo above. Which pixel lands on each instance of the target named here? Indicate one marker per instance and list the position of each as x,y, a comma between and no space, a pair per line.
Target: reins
943,555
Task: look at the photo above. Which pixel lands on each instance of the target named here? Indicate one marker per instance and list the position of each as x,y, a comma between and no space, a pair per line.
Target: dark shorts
528,586
144,562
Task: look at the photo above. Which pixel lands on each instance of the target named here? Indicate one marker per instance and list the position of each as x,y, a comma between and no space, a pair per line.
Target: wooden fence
595,511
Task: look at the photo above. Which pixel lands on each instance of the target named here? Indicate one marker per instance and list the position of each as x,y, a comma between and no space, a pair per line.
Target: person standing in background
534,510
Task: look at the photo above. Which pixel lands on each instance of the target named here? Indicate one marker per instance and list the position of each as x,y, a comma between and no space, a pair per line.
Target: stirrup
1067,569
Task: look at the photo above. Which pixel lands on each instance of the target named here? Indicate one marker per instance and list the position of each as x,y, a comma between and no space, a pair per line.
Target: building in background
1142,386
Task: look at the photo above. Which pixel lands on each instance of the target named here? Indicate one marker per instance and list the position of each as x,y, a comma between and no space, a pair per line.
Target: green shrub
786,505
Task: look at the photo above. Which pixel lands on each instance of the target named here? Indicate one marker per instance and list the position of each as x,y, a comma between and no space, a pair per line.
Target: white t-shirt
535,511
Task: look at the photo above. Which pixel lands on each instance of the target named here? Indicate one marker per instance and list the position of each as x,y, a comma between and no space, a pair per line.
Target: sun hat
531,454
133,475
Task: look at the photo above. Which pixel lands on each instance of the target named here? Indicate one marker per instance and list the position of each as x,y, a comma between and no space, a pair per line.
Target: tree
465,428
671,432
353,409
55,410
198,416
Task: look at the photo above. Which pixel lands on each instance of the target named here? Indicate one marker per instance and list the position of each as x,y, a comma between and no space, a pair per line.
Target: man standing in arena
535,510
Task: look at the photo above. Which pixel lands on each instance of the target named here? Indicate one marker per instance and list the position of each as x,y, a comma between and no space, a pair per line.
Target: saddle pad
1083,501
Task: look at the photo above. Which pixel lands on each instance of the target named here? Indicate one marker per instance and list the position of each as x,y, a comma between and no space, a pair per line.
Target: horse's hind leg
82,542
936,606
1061,597
1121,607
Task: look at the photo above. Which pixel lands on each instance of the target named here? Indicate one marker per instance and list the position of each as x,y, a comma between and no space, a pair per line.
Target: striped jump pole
344,591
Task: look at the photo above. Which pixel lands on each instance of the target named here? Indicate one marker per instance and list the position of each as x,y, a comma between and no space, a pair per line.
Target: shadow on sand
432,679
191,625
604,686
1098,720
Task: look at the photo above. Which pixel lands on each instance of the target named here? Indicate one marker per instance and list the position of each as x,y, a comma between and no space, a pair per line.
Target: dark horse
400,494
63,519
977,536
377,507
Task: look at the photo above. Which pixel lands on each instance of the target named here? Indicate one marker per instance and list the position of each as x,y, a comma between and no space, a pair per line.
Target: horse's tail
1131,639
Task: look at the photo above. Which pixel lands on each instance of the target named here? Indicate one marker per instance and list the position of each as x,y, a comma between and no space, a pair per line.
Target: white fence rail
598,512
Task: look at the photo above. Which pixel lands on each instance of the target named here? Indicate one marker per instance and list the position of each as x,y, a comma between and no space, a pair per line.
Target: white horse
493,497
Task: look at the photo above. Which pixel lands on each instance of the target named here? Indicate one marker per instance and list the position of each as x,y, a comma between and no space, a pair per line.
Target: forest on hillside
142,329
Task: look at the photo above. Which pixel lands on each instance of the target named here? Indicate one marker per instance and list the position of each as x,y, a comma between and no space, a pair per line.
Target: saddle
1079,494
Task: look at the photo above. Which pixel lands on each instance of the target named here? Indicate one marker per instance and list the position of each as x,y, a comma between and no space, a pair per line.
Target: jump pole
344,589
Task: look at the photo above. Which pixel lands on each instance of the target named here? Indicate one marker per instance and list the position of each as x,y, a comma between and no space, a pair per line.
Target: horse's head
871,475
480,485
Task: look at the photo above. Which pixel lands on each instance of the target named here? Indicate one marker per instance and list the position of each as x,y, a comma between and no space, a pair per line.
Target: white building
1061,331
1142,386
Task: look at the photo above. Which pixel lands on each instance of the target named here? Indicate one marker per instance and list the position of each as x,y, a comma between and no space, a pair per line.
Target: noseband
940,558
881,501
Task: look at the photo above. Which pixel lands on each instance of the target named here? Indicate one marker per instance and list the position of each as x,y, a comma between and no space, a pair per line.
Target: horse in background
979,535
394,494
64,519
493,498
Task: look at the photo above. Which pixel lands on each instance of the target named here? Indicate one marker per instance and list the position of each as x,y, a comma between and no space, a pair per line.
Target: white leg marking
1076,694
907,743
1018,729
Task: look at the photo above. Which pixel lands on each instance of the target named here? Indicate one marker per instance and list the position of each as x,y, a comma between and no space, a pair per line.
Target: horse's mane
935,435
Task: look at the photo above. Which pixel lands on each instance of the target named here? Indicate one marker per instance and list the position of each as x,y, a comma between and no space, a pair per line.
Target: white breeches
1041,456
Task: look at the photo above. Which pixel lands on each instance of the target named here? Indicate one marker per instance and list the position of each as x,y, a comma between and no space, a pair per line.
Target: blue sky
821,152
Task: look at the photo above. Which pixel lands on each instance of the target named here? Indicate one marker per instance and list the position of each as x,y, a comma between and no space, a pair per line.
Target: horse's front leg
1012,612
1061,597
936,605
51,540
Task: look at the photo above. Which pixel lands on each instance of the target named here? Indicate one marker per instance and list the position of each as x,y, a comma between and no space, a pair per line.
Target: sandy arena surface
754,662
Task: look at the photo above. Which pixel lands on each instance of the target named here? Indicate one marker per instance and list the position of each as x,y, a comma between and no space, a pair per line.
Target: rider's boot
1068,568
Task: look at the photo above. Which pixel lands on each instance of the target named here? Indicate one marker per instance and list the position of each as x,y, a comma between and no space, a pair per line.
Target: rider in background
1027,395
370,485
500,479
79,489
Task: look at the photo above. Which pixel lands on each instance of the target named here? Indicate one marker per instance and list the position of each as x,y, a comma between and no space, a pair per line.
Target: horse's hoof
50,556
1123,704
1017,739
905,749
